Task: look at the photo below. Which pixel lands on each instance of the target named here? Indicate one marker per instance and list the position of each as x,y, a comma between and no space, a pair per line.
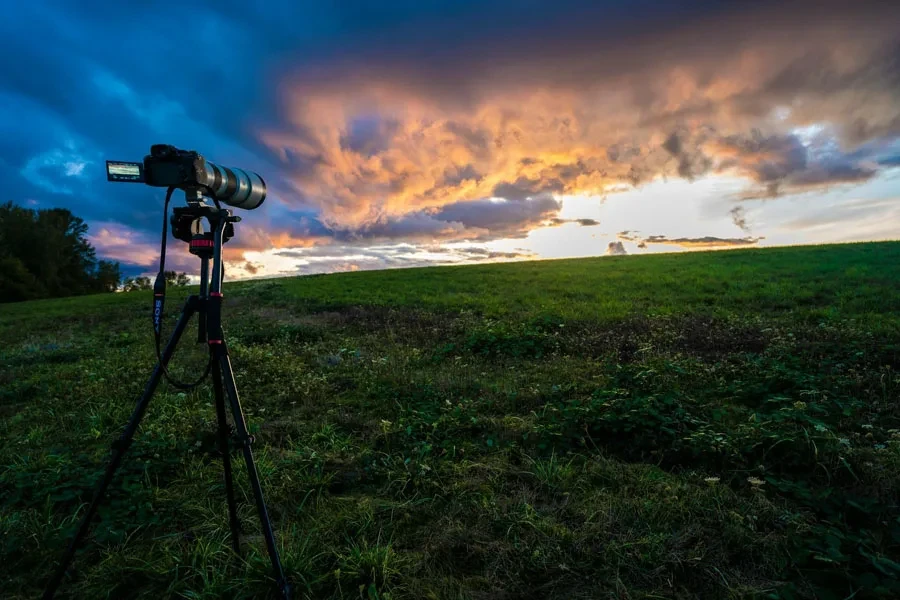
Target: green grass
715,425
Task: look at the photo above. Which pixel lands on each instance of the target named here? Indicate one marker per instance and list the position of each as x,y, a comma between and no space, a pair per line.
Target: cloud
764,159
413,226
551,118
832,173
477,221
474,251
616,249
74,168
330,258
692,163
783,164
485,219
701,242
501,215
118,242
739,218
556,221
53,170
839,217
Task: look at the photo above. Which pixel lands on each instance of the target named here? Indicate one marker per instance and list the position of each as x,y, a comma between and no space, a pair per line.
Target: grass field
714,425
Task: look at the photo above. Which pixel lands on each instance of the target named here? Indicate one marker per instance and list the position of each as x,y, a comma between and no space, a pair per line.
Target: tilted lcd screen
124,171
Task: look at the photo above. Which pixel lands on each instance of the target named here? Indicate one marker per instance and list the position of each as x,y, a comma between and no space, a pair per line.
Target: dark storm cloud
108,86
785,164
443,46
524,188
418,226
480,220
513,213
691,163
765,159
837,172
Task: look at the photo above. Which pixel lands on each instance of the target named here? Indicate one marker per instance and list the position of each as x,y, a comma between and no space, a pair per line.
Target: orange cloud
375,137
701,242
257,239
114,241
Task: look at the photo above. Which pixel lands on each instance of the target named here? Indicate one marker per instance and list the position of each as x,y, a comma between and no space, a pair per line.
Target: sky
407,133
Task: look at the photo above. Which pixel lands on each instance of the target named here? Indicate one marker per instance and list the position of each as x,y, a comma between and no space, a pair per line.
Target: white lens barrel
235,187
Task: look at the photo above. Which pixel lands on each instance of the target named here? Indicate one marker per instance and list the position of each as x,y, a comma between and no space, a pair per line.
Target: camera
168,166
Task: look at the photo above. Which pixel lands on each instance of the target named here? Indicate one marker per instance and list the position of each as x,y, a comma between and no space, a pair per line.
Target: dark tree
177,279
107,276
144,283
45,253
16,283
136,283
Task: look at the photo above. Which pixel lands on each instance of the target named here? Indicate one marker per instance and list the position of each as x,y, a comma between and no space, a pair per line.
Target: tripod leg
226,458
240,424
121,446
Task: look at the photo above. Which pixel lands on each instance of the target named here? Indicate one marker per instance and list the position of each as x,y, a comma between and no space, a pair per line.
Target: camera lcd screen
124,171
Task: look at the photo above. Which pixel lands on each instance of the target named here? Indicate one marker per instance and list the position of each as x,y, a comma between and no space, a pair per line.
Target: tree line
45,253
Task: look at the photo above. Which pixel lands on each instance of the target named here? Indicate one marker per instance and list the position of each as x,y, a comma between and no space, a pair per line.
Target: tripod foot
287,592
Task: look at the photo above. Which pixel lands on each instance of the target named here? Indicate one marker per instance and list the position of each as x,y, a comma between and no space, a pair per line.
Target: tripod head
187,222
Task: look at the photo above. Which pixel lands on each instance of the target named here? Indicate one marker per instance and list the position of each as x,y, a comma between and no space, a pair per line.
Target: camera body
167,166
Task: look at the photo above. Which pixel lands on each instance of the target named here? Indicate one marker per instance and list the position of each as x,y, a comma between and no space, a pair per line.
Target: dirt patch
699,335
707,335
621,339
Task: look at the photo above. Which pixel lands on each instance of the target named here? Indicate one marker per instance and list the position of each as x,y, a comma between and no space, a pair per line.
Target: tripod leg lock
246,441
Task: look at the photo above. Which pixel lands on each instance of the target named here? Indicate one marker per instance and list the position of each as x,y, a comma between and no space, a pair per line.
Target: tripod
187,223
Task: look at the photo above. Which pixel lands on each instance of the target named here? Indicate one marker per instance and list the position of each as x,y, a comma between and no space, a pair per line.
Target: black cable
159,300
165,230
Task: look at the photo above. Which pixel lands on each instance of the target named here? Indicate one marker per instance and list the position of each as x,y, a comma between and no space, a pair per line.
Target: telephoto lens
235,187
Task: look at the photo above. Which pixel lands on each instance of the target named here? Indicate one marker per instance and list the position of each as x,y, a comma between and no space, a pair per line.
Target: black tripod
187,223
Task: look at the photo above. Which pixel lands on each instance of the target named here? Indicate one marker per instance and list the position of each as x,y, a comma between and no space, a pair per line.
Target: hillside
716,425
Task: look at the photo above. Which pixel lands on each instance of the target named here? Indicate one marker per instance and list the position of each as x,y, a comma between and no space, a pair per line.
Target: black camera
168,166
